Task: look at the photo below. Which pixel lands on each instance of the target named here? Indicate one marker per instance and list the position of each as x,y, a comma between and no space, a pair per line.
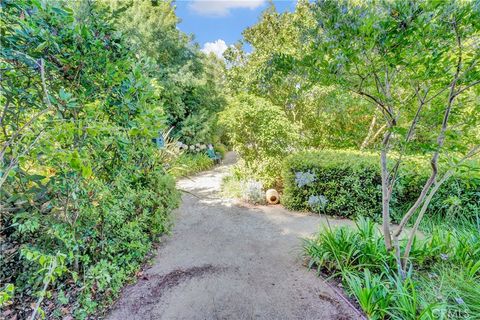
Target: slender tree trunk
440,142
386,194
369,134
51,269
427,201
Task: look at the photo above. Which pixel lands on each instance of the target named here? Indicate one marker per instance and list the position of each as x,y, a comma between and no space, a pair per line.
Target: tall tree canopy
190,82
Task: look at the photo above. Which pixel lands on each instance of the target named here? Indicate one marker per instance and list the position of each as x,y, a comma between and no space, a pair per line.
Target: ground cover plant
187,164
444,285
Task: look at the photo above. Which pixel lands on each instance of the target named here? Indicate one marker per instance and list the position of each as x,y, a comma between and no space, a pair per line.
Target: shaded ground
225,261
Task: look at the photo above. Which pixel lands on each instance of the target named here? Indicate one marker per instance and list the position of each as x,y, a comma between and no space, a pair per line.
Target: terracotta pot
272,196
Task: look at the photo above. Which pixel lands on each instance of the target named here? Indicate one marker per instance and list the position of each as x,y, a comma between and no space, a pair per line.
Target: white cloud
217,47
222,7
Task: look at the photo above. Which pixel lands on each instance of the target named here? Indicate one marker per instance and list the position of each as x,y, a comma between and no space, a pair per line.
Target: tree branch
440,139
437,185
467,87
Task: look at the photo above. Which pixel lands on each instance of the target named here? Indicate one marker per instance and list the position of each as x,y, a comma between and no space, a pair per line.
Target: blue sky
217,24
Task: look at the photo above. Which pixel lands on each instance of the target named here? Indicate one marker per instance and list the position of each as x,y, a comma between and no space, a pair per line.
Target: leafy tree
260,133
151,27
192,101
325,115
418,64
190,82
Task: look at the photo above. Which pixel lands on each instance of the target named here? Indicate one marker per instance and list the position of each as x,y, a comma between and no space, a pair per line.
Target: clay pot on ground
272,196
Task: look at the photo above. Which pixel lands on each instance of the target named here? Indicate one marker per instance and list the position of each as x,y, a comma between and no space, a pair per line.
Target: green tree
325,115
417,63
190,83
151,27
260,133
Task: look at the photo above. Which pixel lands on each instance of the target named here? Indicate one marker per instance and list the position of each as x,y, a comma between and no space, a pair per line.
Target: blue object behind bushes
215,156
349,184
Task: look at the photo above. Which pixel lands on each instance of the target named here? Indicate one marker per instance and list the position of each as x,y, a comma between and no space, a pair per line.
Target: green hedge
348,184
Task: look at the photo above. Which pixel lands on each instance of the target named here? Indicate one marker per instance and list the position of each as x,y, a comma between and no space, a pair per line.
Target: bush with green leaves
84,192
190,82
445,285
348,183
261,134
187,164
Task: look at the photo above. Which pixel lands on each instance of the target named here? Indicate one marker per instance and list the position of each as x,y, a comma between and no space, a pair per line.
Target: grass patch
187,164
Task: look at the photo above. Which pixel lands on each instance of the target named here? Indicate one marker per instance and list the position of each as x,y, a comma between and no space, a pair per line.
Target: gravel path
227,261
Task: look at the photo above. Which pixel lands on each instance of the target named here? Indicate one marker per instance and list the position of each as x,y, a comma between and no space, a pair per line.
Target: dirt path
225,261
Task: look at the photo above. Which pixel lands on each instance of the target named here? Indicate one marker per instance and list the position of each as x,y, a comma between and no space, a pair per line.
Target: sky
217,24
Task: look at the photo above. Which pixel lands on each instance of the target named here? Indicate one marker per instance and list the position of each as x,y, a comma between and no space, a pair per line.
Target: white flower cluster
317,203
195,148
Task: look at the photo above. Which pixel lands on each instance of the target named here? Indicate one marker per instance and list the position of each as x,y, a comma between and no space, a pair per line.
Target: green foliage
6,294
221,149
187,164
415,50
236,186
190,83
442,289
260,133
325,115
192,96
371,293
350,181
87,193
232,187
151,28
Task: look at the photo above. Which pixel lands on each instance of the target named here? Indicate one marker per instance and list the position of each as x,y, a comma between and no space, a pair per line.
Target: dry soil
229,261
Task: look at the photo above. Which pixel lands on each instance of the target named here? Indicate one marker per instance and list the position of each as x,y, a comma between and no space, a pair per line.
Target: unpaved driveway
225,261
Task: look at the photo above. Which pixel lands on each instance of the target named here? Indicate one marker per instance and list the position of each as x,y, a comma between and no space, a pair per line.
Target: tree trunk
386,194
369,134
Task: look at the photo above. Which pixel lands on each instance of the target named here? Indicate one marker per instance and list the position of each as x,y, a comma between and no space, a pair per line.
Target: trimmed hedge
348,184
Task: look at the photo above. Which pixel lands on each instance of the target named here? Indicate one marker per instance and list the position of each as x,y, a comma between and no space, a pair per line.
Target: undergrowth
442,281
188,164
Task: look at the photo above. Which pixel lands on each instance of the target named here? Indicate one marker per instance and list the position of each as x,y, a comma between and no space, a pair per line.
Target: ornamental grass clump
441,282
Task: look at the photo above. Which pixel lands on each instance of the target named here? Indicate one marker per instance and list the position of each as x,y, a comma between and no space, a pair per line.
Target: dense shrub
445,285
86,193
348,183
